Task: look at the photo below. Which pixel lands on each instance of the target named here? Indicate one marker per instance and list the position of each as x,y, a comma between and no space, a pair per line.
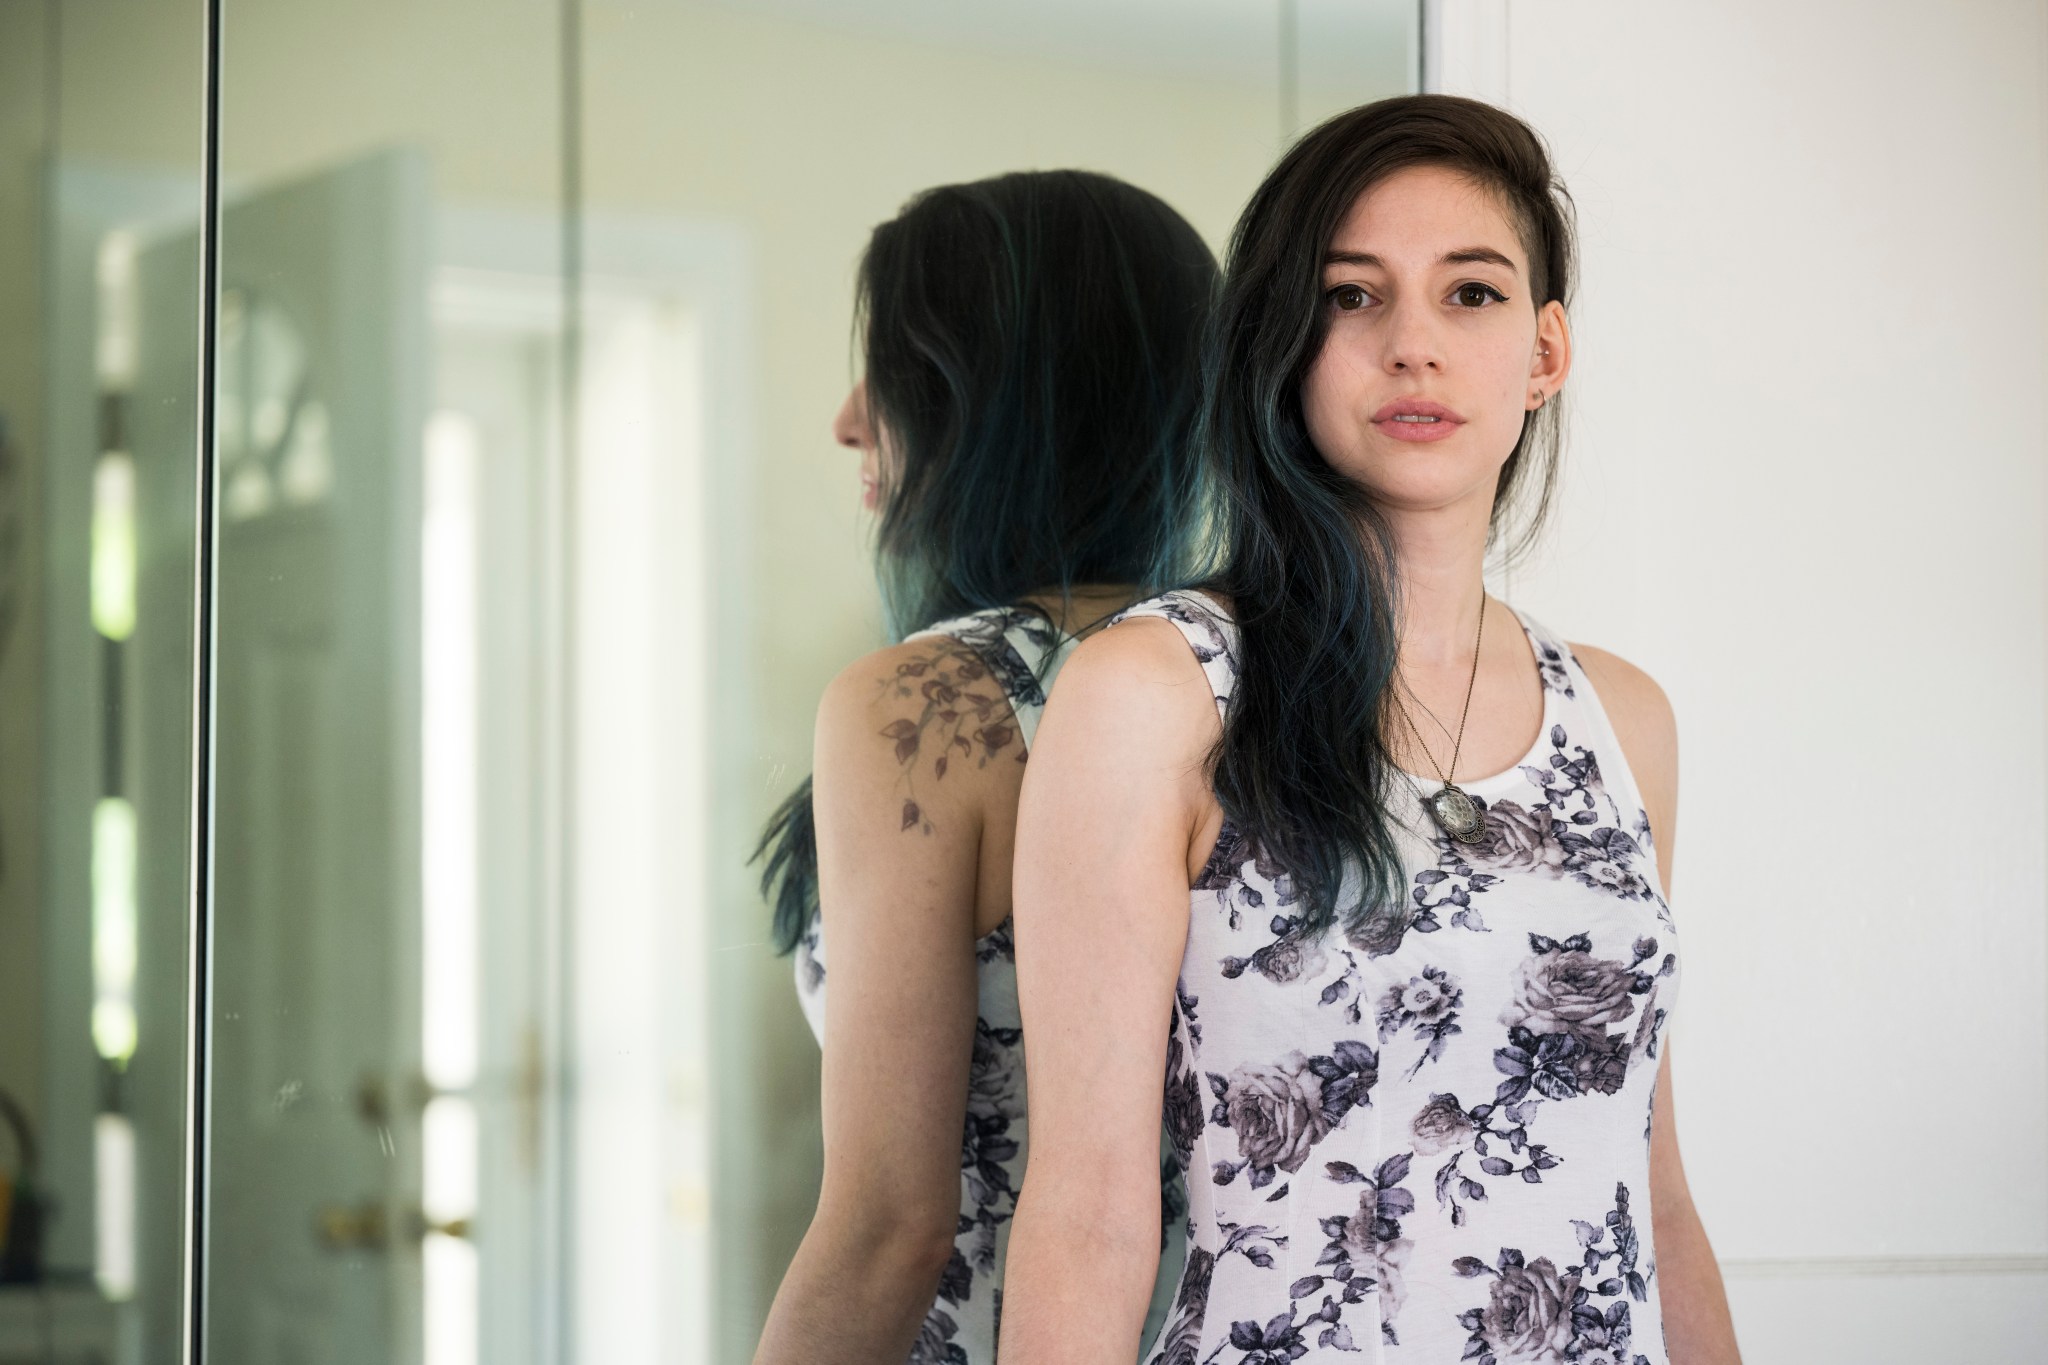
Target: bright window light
113,929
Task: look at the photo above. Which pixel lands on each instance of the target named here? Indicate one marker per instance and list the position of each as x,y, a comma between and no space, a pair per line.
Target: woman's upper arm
1114,789
897,904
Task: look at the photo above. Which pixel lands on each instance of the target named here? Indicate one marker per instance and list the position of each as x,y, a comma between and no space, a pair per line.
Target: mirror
736,159
524,614
100,208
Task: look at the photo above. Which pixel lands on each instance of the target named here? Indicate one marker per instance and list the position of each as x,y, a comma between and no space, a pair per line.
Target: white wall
1804,490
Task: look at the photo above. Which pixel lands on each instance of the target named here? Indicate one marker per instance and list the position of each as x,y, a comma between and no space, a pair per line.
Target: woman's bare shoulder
1644,725
1634,701
1136,686
925,719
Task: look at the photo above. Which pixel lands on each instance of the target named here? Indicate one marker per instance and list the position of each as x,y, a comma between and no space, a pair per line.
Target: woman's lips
870,493
1417,431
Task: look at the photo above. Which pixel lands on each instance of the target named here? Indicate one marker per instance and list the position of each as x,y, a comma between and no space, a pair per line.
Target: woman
1031,378
1418,1064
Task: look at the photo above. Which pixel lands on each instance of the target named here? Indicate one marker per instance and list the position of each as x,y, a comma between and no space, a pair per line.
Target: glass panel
736,158
101,132
389,386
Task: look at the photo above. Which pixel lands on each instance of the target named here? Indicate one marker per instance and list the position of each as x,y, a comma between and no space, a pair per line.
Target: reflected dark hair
1305,558
1032,346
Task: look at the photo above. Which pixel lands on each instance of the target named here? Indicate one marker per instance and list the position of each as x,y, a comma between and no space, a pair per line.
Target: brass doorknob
364,1227
452,1227
361,1227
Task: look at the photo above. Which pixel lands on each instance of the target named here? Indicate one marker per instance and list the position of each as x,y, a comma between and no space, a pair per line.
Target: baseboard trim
1773,1268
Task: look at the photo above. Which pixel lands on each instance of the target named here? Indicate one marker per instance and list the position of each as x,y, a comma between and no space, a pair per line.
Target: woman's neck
1440,563
1085,606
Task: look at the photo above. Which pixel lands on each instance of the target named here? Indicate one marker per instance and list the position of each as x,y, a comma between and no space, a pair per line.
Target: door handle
423,1226
364,1227
360,1227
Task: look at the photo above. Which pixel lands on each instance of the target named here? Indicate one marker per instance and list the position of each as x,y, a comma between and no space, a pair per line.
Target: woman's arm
1113,796
898,904
1697,1327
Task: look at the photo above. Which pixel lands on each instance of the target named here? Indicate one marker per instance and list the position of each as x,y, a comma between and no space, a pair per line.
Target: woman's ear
1552,360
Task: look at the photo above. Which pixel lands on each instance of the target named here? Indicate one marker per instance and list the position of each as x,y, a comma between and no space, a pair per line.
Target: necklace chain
1457,744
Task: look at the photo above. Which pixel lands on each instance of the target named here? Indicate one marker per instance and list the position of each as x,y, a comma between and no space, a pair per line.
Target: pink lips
1385,420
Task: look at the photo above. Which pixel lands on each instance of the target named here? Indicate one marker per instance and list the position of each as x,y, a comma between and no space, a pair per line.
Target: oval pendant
1458,815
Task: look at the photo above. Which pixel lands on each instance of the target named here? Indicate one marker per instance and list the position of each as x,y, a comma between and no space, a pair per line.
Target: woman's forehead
1422,217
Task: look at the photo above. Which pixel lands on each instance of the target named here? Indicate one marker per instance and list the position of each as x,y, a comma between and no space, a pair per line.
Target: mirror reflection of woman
1031,375
1390,854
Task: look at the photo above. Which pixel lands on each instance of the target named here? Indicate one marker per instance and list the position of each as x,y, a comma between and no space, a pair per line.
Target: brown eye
1474,296
1348,298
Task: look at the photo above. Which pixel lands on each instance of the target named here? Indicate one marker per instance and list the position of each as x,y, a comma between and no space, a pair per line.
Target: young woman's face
855,429
1426,291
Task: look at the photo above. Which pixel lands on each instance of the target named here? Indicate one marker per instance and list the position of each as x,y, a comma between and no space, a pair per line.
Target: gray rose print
935,1344
1523,840
995,1078
1550,664
1224,875
1292,955
1280,1110
987,634
1536,1313
1366,1251
1564,1001
1575,831
1427,1003
1443,1125
1527,1319
1584,837
1440,1125
1182,1107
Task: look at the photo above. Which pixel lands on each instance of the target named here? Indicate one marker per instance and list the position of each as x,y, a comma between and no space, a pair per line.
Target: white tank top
1428,1144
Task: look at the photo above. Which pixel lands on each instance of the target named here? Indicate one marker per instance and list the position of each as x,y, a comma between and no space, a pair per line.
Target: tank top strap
1023,652
1573,698
1208,629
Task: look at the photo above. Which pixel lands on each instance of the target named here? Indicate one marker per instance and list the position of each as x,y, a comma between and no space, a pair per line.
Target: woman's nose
850,426
1411,339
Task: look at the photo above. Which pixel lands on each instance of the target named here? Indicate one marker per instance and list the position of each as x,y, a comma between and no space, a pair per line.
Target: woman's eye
1348,298
1474,296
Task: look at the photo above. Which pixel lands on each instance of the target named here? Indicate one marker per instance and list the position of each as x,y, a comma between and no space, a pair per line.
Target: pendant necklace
1455,812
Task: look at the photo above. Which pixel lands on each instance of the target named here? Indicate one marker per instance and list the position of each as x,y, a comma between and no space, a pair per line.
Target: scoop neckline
1480,785
1424,789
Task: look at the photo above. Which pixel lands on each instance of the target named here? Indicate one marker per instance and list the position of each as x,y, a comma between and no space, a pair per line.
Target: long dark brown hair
1304,556
1033,352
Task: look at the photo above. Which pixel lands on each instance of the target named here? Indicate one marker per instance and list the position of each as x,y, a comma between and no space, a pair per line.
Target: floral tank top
1428,1142
1022,651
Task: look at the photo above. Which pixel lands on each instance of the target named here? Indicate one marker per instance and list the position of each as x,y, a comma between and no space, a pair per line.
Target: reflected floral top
1021,651
1429,1142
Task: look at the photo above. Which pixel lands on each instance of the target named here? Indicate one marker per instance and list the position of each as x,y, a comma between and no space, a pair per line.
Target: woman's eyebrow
1471,255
